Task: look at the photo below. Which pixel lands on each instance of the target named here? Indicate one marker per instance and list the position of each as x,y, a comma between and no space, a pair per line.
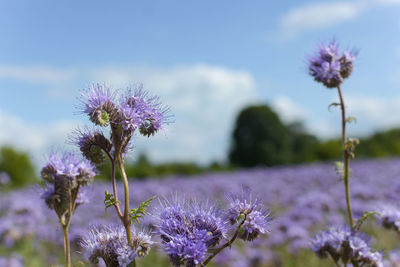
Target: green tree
381,144
303,145
260,138
18,165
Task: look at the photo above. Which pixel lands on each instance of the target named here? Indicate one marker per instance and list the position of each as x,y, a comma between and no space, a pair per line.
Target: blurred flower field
302,199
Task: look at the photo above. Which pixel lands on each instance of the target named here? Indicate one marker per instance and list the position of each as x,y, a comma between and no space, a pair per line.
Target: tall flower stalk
346,157
65,175
330,68
345,244
133,111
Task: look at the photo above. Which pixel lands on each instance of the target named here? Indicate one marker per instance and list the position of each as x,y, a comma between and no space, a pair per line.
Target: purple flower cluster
389,216
342,243
64,175
139,111
98,103
303,198
133,110
110,244
249,212
330,67
189,229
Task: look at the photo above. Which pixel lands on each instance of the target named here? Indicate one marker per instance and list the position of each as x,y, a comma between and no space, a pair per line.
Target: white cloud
36,74
204,100
372,114
316,16
320,15
375,113
288,110
33,138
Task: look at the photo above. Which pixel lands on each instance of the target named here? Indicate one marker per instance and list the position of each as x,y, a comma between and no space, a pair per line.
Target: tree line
259,138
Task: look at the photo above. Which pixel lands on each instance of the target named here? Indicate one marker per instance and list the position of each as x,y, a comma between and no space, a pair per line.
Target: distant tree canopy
261,138
17,165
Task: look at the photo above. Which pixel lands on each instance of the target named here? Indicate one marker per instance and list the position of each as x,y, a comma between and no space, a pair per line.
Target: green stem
114,183
126,219
346,158
227,244
66,247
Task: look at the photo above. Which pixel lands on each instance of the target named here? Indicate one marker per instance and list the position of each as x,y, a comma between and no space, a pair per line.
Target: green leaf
333,105
109,200
350,146
351,119
365,216
339,168
137,213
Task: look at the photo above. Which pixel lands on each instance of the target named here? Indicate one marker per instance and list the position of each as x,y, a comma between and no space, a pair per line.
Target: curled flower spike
189,229
342,243
93,144
249,212
98,104
140,111
330,67
110,244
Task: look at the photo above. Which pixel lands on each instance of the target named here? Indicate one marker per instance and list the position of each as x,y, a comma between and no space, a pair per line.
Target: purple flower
389,216
329,67
243,209
98,103
188,229
342,243
92,143
68,166
110,244
64,174
140,111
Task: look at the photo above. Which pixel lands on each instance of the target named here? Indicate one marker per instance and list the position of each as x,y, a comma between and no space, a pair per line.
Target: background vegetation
259,138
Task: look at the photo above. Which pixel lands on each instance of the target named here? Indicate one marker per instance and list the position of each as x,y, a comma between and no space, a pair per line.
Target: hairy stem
227,244
126,220
66,247
346,158
114,183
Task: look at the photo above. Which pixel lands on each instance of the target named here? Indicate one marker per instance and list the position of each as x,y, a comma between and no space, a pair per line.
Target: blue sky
206,60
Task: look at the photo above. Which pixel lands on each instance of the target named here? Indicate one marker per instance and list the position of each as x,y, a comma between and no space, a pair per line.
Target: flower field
302,200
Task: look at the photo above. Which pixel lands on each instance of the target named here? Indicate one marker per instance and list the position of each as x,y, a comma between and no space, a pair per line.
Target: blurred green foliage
260,138
143,168
18,166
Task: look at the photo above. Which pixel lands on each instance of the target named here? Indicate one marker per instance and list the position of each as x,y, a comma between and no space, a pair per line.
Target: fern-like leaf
139,213
109,200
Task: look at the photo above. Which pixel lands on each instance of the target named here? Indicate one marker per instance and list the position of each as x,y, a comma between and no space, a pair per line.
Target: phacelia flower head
188,229
64,174
389,216
98,104
330,67
342,243
70,167
92,143
140,111
250,213
110,244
